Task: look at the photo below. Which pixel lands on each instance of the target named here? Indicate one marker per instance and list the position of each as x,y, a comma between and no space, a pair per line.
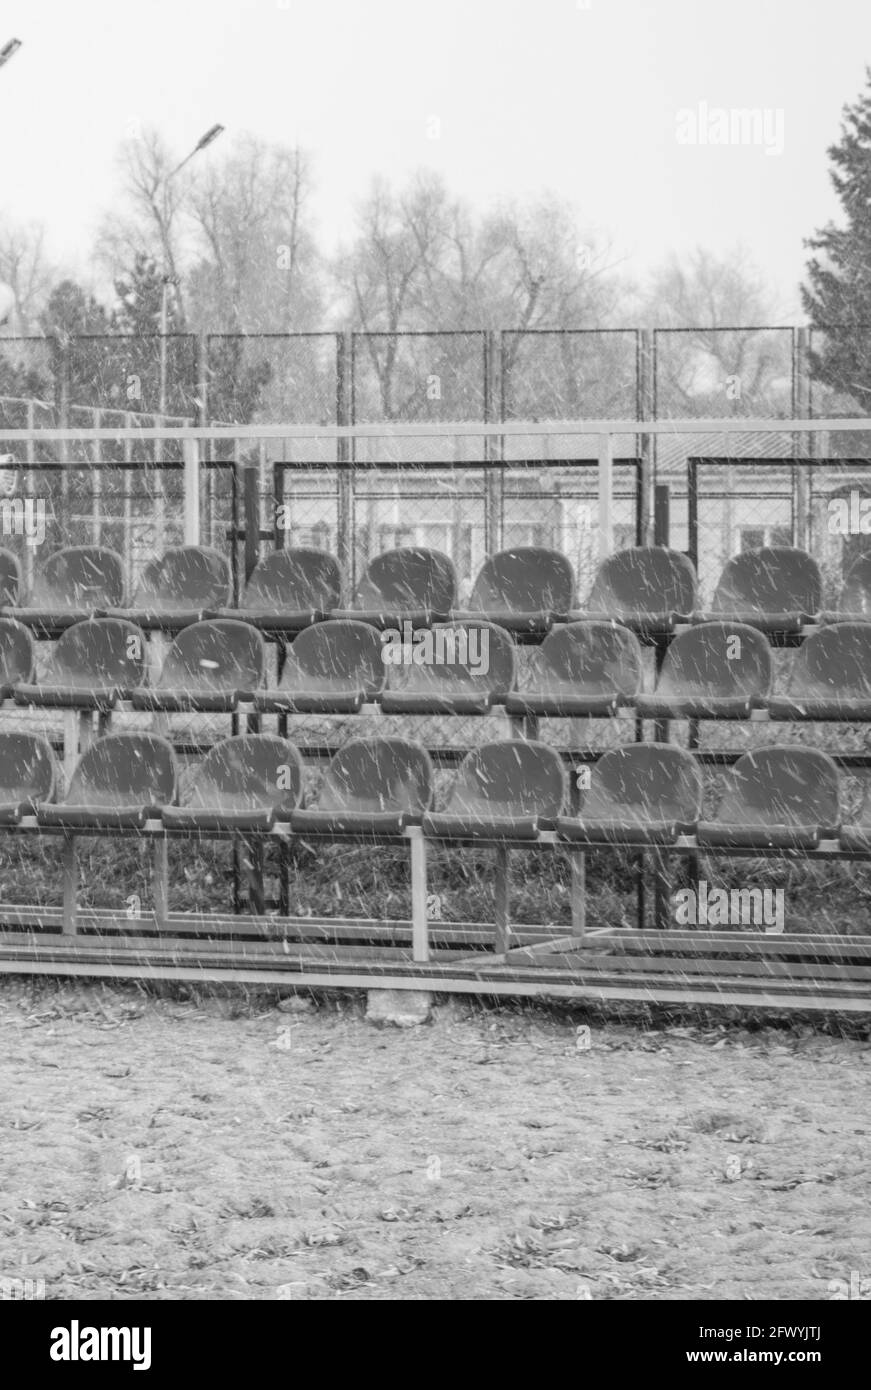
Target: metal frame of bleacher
797,971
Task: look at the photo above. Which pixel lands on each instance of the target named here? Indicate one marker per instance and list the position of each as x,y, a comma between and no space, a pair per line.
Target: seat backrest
125,771
249,772
16,652
781,786
28,771
644,782
834,662
337,653
99,653
509,778
185,577
294,581
855,597
379,774
218,655
474,655
775,579
408,578
528,579
593,658
644,579
717,659
80,577
10,578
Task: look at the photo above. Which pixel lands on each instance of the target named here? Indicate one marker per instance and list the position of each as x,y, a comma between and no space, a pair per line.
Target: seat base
559,705
616,832
695,707
412,702
786,707
443,825
96,818
188,818
67,697
722,835
314,822
327,702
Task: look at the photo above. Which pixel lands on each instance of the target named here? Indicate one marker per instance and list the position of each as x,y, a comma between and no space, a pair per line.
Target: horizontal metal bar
476,430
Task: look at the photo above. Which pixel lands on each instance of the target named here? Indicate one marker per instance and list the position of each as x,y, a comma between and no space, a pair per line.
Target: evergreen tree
837,297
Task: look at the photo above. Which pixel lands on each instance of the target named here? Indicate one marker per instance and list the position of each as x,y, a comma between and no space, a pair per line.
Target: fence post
646,408
345,456
97,515
63,400
191,450
494,448
803,443
27,566
606,471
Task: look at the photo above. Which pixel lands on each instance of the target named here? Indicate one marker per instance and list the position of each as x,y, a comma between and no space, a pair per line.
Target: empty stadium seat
467,667
523,590
118,783
776,798
28,775
406,585
830,676
93,664
581,668
179,587
10,579
647,588
244,783
713,671
503,791
372,787
854,600
210,666
331,668
72,584
777,589
16,656
290,589
644,793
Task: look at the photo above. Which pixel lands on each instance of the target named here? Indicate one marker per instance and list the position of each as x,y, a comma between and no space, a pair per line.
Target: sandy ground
218,1148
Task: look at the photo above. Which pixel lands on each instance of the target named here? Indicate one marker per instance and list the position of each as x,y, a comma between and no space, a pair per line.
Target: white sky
532,95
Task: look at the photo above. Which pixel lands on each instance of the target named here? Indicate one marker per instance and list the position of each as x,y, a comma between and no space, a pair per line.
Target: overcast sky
530,95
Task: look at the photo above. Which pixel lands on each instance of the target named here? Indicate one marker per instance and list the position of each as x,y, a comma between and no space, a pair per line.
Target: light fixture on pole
9,50
211,134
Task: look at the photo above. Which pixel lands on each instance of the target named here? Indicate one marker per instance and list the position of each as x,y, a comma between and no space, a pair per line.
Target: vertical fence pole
494,447
646,407
63,387
345,413
606,484
27,566
419,924
97,512
802,446
191,449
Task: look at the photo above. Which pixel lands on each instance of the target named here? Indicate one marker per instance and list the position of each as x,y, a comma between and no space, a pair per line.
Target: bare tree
27,270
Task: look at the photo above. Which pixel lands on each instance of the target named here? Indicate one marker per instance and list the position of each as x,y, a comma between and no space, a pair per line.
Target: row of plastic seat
524,590
640,794
717,670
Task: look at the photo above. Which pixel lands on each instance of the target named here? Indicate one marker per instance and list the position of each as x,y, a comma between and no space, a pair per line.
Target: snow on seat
523,590
644,793
462,667
410,584
93,664
581,668
647,588
830,676
372,787
210,667
16,656
776,589
121,781
72,584
776,798
331,668
28,775
712,671
179,587
508,790
289,590
246,782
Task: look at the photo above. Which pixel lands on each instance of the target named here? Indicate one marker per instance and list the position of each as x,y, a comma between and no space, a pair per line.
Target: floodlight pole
211,134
